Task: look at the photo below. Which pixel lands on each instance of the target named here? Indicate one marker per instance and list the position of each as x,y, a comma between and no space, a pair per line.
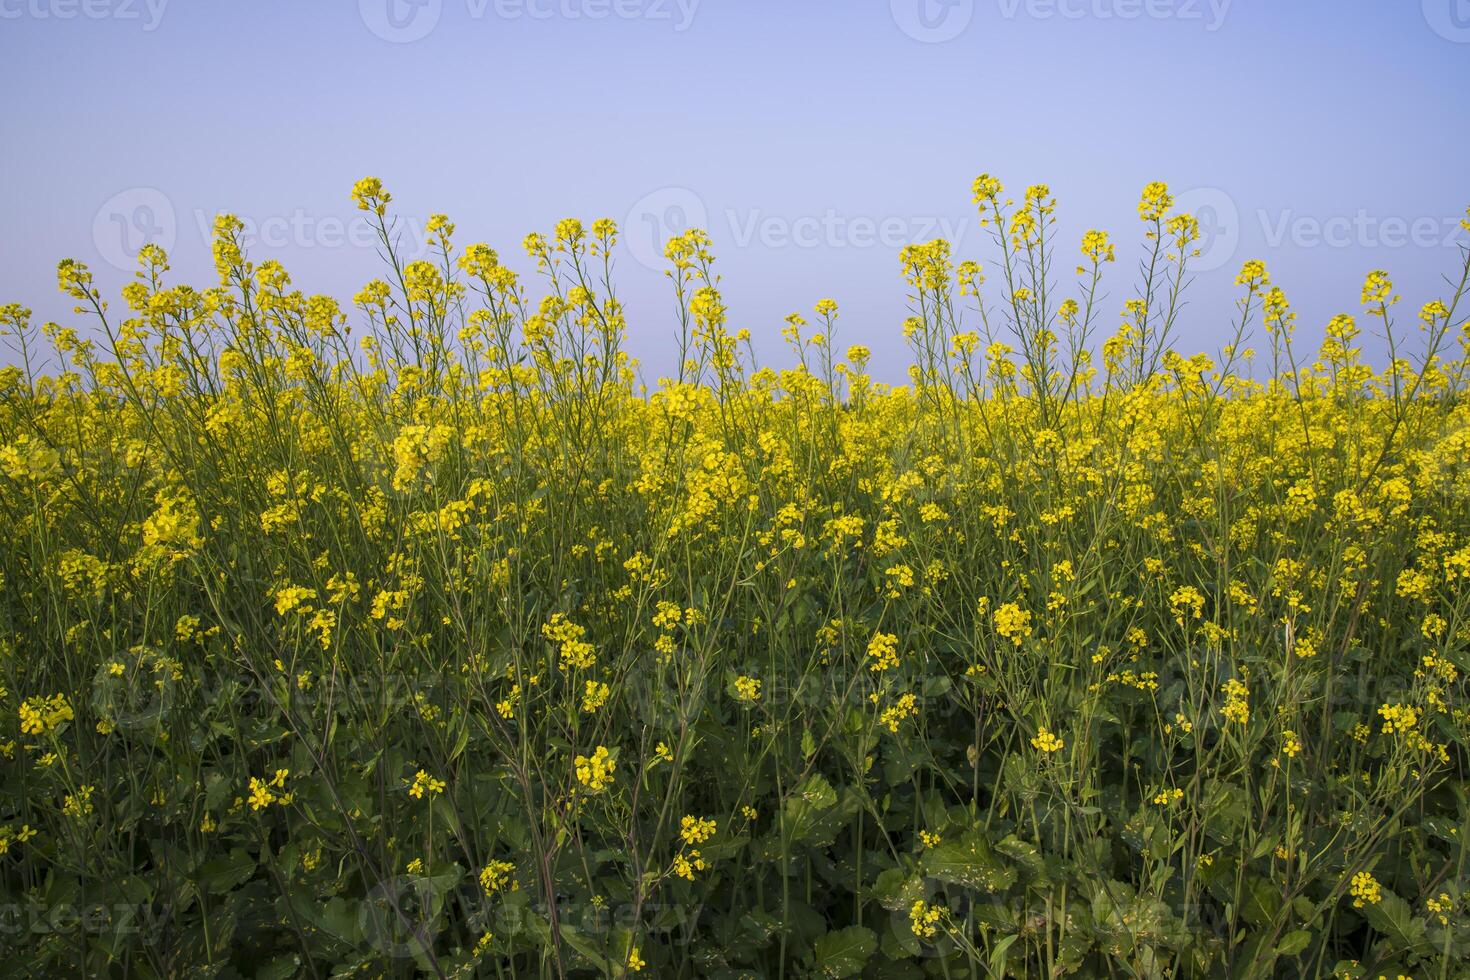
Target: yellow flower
1155,202
576,653
423,784
1365,890
39,716
1187,603
1012,622
905,707
79,804
1378,289
506,707
1045,741
883,651
747,689
1237,702
1398,718
1097,247
924,919
260,794
368,194
1253,275
987,189
595,772
594,696
696,830
685,865
497,875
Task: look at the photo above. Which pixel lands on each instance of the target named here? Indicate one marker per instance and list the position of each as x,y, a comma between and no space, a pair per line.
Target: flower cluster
595,772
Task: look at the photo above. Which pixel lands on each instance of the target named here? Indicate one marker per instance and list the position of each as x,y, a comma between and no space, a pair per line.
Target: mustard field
426,636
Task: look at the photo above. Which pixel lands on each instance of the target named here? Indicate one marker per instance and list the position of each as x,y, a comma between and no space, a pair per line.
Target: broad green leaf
845,952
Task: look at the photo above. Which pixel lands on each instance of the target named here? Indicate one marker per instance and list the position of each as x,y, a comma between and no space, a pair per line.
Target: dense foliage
456,651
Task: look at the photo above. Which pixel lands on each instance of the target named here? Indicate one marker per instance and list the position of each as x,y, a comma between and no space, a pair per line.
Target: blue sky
812,138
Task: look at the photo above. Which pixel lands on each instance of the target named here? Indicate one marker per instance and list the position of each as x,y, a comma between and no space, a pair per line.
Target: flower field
426,638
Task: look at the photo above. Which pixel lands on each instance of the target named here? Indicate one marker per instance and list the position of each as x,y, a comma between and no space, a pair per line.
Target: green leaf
895,890
227,871
1392,917
339,917
1026,855
998,954
583,944
1293,943
817,792
844,952
280,968
969,861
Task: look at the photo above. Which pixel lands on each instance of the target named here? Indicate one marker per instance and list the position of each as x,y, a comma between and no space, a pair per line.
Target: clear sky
811,137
